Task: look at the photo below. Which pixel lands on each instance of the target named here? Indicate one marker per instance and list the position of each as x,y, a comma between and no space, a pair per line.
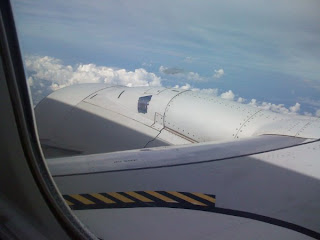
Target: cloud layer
59,75
191,76
279,108
47,74
229,95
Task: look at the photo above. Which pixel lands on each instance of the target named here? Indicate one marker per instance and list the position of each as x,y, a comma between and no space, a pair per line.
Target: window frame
21,107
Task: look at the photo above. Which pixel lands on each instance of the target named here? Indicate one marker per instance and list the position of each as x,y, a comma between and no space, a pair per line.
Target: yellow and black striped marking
171,199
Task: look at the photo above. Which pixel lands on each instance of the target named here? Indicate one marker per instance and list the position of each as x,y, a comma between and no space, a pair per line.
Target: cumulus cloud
218,73
209,91
186,87
51,74
241,100
229,95
47,74
194,76
295,108
279,108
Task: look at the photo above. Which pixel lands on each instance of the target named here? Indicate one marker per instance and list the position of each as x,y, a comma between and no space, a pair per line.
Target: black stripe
200,199
119,203
107,196
111,198
164,193
183,203
151,197
269,220
128,196
137,201
73,200
95,200
70,199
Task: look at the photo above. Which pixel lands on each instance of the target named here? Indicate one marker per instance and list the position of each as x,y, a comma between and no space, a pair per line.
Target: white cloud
229,95
218,73
209,91
53,74
52,70
241,100
253,102
186,86
194,76
47,74
295,108
279,108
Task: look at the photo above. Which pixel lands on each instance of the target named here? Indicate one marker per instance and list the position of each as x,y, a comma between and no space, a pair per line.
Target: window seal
26,127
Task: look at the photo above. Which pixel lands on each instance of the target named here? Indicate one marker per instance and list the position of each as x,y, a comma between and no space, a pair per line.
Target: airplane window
129,96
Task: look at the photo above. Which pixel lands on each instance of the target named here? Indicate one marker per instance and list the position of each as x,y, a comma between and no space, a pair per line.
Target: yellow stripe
81,199
206,197
139,196
188,199
160,196
102,198
68,202
120,197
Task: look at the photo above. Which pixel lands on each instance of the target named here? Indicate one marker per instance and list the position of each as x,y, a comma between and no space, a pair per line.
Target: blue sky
268,50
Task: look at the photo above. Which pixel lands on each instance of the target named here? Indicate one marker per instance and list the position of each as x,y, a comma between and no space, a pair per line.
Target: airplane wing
264,187
260,187
220,169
